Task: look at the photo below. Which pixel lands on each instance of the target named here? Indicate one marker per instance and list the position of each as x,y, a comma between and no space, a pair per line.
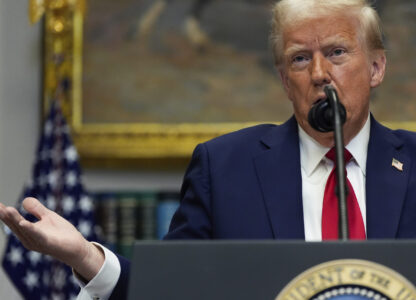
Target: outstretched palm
51,235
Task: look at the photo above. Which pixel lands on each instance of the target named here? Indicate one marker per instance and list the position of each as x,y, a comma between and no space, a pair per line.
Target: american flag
56,182
397,164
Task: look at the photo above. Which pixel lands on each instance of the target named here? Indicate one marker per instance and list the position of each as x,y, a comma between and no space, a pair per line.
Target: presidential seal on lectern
349,279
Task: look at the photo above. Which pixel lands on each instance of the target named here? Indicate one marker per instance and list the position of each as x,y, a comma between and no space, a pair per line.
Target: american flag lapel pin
397,164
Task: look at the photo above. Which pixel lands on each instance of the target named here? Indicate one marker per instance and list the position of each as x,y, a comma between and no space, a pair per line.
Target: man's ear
378,67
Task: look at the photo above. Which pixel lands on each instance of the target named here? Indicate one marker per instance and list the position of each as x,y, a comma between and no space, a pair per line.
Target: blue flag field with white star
56,182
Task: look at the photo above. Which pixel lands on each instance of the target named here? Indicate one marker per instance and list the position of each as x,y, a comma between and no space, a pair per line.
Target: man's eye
299,59
337,52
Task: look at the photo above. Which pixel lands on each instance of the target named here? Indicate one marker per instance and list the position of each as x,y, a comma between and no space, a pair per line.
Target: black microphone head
321,115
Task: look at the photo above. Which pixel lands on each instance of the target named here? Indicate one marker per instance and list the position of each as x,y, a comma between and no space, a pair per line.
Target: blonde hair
290,12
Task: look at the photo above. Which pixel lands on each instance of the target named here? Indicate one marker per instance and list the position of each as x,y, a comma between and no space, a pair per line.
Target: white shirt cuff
102,285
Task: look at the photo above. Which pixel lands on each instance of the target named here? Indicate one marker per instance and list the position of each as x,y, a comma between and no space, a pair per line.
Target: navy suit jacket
248,185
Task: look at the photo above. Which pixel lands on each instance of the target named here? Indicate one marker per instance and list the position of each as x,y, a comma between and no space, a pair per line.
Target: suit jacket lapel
385,184
278,170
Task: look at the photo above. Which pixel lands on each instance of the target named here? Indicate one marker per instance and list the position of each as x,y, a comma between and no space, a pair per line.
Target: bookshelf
125,216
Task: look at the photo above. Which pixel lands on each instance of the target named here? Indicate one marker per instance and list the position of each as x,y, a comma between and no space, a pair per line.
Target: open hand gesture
53,235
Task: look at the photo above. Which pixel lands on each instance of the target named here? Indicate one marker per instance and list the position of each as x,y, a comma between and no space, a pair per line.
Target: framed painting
150,79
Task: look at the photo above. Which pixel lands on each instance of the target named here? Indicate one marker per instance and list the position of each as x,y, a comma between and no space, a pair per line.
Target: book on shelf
139,215
146,216
106,206
127,207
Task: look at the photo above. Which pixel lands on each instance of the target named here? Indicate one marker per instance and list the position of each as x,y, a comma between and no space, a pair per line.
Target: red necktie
330,207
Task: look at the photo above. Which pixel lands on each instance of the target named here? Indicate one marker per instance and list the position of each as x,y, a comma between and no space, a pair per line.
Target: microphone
325,116
321,115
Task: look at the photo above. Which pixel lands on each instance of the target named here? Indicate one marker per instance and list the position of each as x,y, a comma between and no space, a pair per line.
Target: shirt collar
312,153
359,145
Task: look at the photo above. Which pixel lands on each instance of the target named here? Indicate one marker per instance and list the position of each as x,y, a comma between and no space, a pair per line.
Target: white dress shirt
102,285
315,171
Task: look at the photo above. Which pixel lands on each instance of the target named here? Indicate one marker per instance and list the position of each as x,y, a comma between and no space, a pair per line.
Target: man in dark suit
270,181
246,185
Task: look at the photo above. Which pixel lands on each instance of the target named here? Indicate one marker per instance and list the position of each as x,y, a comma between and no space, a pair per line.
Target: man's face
325,51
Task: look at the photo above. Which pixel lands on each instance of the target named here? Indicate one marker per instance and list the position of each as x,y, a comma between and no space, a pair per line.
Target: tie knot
331,154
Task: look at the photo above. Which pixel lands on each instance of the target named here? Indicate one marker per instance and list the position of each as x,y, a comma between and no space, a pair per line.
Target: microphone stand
341,190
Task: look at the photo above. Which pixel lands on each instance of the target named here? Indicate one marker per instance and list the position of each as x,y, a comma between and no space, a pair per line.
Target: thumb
33,206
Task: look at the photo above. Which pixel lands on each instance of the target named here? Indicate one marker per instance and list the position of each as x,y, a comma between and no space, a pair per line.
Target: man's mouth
322,98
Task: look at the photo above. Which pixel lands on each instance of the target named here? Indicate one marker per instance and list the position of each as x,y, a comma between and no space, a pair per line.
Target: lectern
247,270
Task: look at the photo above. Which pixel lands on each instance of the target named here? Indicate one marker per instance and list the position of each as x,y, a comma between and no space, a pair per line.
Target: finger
4,214
33,206
33,237
2,211
19,226
14,215
12,218
10,221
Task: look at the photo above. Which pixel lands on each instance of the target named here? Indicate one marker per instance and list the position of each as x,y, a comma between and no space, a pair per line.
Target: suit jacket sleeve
121,288
193,218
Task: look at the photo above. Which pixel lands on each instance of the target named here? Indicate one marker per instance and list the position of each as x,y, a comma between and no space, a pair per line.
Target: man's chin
325,139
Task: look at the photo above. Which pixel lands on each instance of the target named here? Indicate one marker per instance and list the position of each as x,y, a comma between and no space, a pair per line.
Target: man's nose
320,74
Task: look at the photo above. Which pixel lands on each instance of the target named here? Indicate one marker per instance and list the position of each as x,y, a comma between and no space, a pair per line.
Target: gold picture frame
102,144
